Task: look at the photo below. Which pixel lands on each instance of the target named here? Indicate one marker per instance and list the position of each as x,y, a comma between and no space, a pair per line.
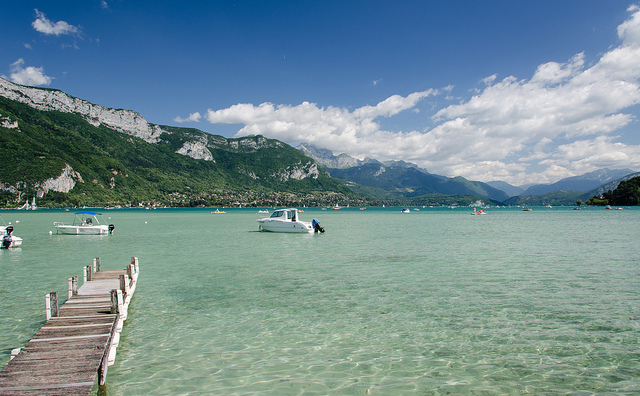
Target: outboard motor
111,228
6,240
315,223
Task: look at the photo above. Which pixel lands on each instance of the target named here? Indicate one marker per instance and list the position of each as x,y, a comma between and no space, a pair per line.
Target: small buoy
145,222
50,232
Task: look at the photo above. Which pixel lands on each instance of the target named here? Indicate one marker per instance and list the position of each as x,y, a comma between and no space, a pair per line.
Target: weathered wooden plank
79,320
109,274
84,299
56,355
101,286
48,371
81,388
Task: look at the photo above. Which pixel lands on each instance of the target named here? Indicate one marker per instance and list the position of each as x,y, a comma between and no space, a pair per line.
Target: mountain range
407,180
69,152
582,183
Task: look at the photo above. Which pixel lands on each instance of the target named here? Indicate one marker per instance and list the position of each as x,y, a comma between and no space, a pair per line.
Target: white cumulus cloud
193,117
44,25
331,127
28,75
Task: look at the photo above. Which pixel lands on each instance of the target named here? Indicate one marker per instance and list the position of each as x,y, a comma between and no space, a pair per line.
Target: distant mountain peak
327,158
343,161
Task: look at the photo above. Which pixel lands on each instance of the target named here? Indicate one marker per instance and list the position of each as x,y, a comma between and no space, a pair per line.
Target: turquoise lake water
432,302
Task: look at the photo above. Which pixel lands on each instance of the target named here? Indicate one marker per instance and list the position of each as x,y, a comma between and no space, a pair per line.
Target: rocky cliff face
125,121
63,183
197,150
5,122
298,172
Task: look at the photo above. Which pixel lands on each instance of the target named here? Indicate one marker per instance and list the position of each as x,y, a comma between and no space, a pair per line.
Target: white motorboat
85,223
287,220
7,240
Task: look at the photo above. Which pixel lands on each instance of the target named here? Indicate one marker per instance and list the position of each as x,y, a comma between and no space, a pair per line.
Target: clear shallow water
431,302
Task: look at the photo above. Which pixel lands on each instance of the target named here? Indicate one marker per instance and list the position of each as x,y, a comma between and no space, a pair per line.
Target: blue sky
517,91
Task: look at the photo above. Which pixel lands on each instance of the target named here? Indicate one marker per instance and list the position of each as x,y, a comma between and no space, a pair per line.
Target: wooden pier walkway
79,339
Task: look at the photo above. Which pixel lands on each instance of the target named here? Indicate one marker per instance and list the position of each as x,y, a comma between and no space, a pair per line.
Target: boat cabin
285,214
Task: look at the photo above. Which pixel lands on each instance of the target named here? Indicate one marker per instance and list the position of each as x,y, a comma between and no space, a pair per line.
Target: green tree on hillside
627,193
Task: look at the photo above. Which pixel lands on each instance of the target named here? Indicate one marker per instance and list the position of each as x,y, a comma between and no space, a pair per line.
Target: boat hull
83,230
15,242
285,226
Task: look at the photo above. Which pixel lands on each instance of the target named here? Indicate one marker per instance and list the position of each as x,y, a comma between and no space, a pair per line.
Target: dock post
47,306
70,282
89,273
114,301
74,285
55,309
97,268
120,301
51,305
124,284
15,352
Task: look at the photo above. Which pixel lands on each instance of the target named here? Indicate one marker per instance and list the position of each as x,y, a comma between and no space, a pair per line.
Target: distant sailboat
26,205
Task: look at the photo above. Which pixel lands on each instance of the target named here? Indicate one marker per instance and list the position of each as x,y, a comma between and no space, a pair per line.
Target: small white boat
6,239
266,211
406,210
287,220
85,223
478,212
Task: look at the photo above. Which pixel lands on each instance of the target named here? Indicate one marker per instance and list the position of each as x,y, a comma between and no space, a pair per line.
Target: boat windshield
284,214
87,218
278,213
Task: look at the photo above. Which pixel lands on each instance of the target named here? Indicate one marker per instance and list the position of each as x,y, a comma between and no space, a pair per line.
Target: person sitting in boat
89,222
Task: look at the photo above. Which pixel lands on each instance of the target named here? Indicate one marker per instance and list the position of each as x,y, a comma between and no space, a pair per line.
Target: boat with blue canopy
85,223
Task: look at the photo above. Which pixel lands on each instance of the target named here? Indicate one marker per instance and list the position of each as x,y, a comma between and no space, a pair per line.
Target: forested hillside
64,160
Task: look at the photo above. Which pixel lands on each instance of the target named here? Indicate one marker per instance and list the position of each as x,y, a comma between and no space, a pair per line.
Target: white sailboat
28,206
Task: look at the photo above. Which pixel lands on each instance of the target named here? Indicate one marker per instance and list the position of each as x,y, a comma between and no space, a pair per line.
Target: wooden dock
79,339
